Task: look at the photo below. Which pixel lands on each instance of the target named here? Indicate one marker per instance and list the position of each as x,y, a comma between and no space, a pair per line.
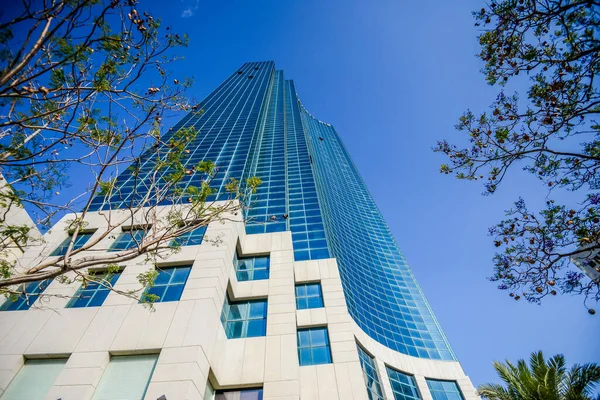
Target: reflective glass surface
128,239
404,386
313,346
191,238
245,394
93,294
252,268
254,125
367,363
169,284
382,294
80,240
309,295
243,319
30,294
444,390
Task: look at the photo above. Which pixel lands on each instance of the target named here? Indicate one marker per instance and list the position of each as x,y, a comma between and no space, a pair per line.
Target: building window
126,377
168,285
94,292
251,268
31,292
367,363
313,346
35,379
309,295
80,240
191,238
246,394
444,390
404,386
244,318
128,239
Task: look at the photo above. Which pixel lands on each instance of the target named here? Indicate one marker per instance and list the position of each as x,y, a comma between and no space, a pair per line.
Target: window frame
246,320
306,296
365,357
61,249
133,241
8,304
251,272
412,379
311,347
433,391
187,237
168,284
114,277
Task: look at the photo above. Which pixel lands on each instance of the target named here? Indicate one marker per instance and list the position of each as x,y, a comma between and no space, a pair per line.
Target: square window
244,318
168,284
95,292
80,240
309,295
251,268
191,238
444,390
404,386
31,292
313,346
128,239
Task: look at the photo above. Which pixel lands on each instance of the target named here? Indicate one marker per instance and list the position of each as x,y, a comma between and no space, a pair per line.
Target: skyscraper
309,297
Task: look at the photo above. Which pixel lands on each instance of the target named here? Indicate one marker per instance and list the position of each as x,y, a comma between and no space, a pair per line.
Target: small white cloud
190,7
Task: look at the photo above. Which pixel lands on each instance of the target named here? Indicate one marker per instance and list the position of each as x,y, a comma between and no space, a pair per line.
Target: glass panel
126,377
257,327
173,293
321,355
180,275
34,380
318,337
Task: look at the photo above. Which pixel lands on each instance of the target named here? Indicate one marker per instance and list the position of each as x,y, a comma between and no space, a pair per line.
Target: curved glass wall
382,294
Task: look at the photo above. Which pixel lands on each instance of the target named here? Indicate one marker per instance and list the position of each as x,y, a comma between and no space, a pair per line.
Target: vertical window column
367,363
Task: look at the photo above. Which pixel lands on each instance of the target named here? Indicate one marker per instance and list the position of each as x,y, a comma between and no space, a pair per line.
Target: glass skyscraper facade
253,124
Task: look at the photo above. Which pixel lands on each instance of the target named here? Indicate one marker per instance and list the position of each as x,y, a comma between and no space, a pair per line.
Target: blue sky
393,77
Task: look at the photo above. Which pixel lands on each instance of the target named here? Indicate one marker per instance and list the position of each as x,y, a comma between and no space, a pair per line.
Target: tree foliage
543,380
84,88
553,134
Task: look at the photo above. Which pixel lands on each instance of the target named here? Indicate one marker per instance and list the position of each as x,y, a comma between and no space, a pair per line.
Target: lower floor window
444,390
126,377
246,394
404,386
243,319
35,379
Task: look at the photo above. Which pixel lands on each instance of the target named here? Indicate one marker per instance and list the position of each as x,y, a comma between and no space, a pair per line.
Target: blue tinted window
444,390
370,375
309,295
169,284
80,240
93,294
244,318
313,346
128,239
404,386
245,394
191,238
31,292
252,268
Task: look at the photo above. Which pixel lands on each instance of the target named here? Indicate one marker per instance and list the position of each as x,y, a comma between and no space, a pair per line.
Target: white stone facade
188,334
